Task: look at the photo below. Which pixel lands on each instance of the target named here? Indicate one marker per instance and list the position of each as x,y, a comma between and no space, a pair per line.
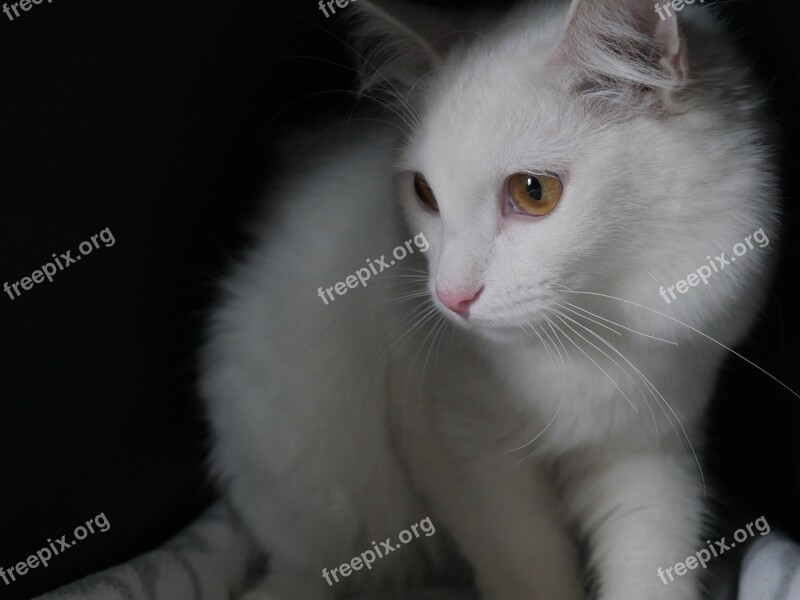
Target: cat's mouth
502,323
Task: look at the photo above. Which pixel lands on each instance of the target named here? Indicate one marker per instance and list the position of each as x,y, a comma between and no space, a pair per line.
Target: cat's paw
280,586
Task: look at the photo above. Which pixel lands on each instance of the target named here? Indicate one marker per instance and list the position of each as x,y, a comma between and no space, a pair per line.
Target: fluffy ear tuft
398,42
625,51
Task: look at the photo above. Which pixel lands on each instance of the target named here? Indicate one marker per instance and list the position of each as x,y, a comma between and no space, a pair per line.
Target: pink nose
458,301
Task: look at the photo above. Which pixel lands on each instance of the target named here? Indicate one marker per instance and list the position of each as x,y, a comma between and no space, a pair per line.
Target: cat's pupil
534,188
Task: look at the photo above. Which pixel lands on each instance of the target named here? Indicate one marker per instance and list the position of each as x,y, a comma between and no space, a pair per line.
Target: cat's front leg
506,523
503,514
641,514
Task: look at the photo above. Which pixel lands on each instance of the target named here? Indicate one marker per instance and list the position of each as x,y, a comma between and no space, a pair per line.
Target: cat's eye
424,192
535,195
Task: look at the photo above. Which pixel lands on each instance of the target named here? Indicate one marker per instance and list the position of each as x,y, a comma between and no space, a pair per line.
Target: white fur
338,425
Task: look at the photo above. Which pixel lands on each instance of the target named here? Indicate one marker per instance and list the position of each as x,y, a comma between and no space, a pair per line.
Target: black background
156,119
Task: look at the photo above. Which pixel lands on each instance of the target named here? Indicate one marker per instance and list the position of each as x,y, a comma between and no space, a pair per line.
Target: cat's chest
573,400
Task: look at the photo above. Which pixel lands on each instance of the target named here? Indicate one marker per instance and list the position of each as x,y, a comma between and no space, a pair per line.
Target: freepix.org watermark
61,263
715,265
379,265
330,3
25,5
676,5
702,557
368,557
46,553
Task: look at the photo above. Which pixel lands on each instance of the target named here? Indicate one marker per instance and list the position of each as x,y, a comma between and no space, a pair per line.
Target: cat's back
278,337
296,385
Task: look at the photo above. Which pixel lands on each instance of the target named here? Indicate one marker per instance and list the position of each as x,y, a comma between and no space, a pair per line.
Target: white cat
518,383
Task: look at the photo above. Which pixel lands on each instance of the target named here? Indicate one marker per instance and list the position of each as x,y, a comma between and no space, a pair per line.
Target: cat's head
593,146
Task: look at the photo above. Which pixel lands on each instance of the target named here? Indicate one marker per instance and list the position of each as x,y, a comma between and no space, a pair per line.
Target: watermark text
379,265
62,262
46,553
702,557
368,557
715,265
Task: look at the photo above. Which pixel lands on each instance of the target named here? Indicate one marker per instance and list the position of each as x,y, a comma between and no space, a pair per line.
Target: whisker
652,337
567,308
644,397
438,329
431,314
411,110
708,337
596,365
546,347
421,271
558,408
550,323
419,313
661,402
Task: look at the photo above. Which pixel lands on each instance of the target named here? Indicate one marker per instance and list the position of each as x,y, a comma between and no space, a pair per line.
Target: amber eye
424,191
534,195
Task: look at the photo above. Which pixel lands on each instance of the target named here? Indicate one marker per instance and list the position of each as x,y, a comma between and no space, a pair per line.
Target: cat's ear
626,50
399,42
